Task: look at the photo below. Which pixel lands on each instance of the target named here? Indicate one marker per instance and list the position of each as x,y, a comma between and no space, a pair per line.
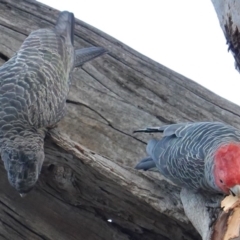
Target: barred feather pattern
34,85
185,154
35,81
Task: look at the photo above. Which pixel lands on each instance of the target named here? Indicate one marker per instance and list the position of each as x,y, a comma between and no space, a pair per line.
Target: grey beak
235,190
23,194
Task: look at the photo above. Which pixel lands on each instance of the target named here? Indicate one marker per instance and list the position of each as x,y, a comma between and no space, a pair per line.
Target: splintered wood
231,203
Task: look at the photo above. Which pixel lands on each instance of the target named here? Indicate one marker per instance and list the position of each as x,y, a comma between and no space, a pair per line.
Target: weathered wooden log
228,12
88,176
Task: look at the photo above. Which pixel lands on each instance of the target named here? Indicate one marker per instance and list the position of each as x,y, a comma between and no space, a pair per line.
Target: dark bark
228,12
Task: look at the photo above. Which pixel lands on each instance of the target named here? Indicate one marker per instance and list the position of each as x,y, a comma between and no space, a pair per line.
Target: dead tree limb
228,12
88,176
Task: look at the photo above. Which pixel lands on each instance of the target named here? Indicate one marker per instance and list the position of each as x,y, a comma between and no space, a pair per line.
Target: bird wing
175,160
35,80
182,153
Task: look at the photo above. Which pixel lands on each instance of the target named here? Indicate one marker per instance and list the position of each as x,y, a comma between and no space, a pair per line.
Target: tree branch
88,176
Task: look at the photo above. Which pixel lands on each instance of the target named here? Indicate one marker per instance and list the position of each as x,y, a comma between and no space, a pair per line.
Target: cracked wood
80,189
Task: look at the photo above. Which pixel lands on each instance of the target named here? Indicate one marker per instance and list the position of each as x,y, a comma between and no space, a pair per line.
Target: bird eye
221,181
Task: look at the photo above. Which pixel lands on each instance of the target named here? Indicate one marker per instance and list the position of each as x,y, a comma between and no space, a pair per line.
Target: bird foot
214,208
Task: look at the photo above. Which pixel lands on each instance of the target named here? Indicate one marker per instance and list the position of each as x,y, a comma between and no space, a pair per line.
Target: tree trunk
228,12
88,176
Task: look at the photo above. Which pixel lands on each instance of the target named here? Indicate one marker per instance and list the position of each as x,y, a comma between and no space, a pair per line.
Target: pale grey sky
182,35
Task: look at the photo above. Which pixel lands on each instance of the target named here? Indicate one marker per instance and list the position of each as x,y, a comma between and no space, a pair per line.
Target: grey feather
185,153
147,164
86,54
168,130
34,85
65,26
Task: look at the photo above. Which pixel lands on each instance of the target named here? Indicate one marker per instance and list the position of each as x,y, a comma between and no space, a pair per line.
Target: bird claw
213,208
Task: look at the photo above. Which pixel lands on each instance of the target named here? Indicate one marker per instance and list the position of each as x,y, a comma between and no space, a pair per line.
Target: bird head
227,168
23,166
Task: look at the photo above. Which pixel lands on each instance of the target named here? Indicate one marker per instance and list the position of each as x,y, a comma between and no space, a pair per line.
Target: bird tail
151,146
151,129
86,54
65,25
146,164
168,130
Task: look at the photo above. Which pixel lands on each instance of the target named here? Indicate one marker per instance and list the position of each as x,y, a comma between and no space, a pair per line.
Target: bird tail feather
84,55
168,130
146,164
65,25
151,129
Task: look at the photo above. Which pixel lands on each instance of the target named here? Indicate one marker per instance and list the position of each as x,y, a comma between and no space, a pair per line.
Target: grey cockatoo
34,85
201,156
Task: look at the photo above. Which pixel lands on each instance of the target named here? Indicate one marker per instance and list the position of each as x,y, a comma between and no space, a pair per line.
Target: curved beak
235,190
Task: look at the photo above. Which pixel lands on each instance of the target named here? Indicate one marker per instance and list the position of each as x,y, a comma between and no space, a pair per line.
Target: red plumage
227,166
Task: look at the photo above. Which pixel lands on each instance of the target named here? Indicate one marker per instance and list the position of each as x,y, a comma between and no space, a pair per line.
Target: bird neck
227,166
27,136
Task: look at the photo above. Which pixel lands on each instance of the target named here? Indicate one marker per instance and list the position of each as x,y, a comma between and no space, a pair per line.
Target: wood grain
80,189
